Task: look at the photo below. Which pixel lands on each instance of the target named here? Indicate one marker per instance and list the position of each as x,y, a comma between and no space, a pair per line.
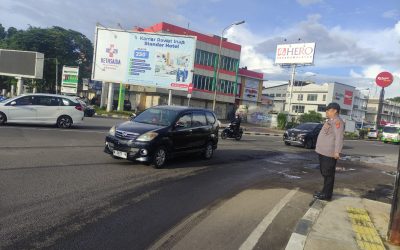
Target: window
321,108
67,102
199,119
298,109
272,95
283,95
185,121
300,97
210,118
312,97
278,95
26,100
47,101
324,98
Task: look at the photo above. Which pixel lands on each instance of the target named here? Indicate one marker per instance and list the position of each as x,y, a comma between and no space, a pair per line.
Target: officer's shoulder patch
337,124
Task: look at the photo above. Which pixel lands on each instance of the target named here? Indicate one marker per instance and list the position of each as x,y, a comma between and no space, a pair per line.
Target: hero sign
384,79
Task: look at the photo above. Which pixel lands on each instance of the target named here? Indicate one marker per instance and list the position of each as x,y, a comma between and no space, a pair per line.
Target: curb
257,133
299,236
110,116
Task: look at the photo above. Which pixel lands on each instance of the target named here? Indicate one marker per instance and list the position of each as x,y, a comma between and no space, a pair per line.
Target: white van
60,110
391,133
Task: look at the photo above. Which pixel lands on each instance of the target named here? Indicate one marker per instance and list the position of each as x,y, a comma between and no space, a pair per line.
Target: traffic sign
384,79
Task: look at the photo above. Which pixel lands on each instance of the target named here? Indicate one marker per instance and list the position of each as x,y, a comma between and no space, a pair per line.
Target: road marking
255,236
58,130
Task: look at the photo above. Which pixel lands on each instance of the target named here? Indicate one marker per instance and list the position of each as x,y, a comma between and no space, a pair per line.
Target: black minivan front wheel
208,151
159,157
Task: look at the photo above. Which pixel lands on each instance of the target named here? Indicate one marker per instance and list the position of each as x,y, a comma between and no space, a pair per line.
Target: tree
70,47
311,116
2,32
282,119
395,99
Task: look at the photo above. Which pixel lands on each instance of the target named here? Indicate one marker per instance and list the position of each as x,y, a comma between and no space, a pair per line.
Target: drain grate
366,235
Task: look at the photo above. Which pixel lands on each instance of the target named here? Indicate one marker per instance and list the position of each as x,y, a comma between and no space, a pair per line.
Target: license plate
120,154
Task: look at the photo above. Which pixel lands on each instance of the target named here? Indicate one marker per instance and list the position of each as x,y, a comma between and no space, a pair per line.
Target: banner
298,53
146,59
69,82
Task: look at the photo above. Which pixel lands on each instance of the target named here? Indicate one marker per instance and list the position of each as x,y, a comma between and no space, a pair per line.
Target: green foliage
395,99
70,47
311,116
282,119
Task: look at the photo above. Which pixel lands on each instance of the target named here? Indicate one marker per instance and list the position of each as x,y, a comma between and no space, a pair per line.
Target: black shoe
323,197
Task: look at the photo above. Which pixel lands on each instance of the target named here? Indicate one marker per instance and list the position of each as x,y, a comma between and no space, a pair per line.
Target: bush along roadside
103,112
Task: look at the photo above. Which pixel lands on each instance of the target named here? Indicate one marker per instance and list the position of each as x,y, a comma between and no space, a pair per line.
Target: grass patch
102,111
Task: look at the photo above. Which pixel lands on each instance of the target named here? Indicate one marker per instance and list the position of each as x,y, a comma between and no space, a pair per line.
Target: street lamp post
219,60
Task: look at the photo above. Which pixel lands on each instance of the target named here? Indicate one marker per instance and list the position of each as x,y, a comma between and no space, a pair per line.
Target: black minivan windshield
156,116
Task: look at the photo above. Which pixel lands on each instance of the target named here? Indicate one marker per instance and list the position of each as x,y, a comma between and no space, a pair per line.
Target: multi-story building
206,57
359,112
250,85
278,96
390,112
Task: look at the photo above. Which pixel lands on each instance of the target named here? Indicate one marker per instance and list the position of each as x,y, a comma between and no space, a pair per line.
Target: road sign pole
169,97
394,222
380,107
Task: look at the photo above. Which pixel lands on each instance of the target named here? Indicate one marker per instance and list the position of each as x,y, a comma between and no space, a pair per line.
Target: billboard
20,63
250,92
146,59
69,82
298,53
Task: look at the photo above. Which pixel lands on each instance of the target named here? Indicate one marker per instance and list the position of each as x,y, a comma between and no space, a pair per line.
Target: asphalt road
59,190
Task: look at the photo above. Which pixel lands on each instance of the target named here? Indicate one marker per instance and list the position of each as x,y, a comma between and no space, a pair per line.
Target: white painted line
59,130
255,236
296,242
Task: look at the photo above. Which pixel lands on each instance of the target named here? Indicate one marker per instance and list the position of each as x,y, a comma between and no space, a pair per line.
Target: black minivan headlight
149,136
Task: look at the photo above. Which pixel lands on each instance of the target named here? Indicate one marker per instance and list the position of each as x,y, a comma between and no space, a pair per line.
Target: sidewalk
331,228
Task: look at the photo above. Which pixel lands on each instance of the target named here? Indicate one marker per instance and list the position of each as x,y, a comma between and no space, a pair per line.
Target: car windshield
306,126
155,116
372,130
391,130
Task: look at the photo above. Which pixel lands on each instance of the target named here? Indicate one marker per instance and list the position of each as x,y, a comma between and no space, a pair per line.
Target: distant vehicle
2,98
161,132
391,133
372,134
305,135
62,111
127,105
88,110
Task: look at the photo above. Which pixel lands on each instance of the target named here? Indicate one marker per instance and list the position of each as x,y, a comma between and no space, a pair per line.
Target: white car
60,110
372,134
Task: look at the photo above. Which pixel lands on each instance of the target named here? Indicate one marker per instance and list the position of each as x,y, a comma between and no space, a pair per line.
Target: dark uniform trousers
328,168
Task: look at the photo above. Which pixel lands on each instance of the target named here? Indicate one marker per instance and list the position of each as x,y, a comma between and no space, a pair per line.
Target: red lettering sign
384,79
348,97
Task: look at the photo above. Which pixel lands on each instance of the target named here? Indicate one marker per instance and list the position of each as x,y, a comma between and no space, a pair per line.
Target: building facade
249,88
278,96
390,112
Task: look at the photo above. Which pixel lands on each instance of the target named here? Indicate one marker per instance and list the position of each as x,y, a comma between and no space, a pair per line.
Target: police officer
329,146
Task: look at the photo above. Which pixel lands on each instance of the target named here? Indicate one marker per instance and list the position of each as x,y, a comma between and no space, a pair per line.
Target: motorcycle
229,132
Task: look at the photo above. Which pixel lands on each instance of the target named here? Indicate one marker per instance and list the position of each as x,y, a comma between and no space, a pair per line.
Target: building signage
146,59
298,53
69,82
250,92
384,79
348,97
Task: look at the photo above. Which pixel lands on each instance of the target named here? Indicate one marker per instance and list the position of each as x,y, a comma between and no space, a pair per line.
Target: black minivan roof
179,108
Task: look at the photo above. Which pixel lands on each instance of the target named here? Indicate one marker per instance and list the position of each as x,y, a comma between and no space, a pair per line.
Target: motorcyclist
235,124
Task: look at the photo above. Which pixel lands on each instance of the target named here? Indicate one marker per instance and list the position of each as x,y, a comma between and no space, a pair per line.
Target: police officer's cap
333,105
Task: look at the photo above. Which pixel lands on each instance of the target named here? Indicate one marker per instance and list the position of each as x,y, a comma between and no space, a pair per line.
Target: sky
355,40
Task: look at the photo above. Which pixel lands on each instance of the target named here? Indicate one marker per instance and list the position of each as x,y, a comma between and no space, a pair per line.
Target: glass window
298,109
23,101
198,119
312,97
324,98
321,108
185,121
161,117
48,101
278,95
210,118
300,97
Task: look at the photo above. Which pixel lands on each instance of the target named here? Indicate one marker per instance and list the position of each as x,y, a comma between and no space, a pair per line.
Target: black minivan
162,132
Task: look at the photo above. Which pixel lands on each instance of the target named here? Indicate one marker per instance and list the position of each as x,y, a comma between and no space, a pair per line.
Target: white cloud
391,14
308,2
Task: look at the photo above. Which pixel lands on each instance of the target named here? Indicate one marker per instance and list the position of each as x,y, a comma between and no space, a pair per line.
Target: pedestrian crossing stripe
367,236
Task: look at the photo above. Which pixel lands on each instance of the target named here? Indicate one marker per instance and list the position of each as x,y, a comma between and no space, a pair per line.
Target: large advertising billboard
298,53
250,91
147,59
20,63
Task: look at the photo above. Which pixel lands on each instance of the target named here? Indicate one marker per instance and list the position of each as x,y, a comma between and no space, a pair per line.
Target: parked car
372,134
88,110
127,105
2,98
62,111
305,135
162,132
